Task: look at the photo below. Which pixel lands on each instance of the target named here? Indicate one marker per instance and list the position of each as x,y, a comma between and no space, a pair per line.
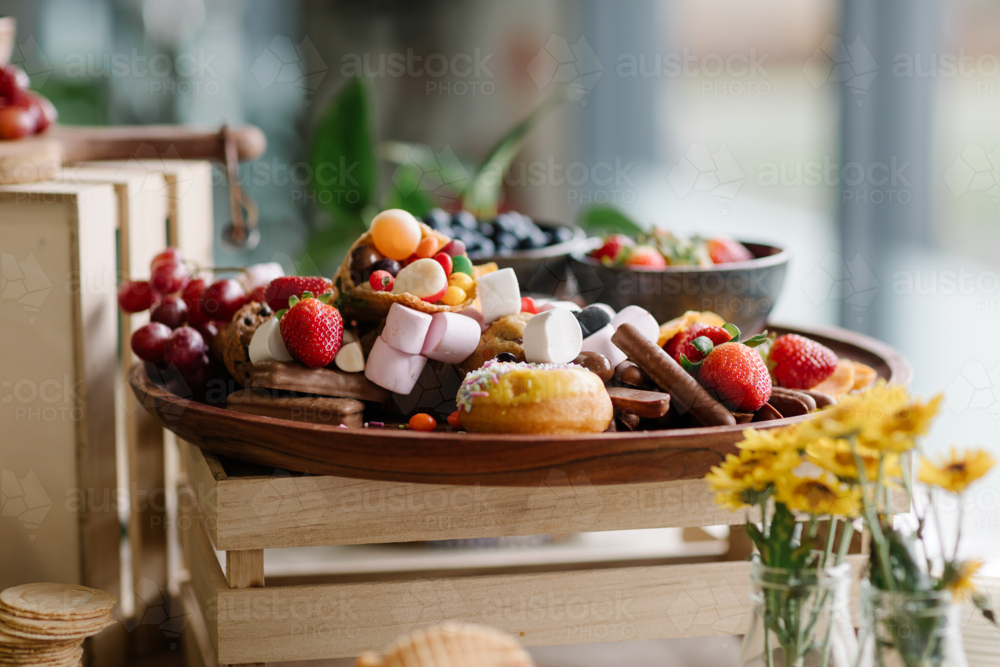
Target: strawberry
723,250
801,363
278,290
312,329
613,249
717,335
674,345
736,375
645,257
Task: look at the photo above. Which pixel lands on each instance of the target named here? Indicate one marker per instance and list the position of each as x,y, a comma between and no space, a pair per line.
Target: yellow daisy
741,479
955,475
962,584
818,495
836,456
771,440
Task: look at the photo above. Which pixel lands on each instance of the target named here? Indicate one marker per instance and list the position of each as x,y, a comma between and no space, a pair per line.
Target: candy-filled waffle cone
360,302
451,644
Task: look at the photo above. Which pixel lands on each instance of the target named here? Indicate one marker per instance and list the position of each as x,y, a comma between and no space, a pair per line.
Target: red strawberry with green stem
278,290
645,257
612,251
733,372
723,250
798,362
312,329
715,335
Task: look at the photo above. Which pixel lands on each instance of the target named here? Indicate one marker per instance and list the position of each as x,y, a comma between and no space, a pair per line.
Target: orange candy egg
455,419
396,233
423,422
427,248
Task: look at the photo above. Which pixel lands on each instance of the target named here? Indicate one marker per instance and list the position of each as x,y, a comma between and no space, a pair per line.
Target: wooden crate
230,516
57,372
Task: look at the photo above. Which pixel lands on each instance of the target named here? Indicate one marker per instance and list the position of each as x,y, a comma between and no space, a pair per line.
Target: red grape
171,311
168,277
13,80
222,299
46,113
185,350
208,331
171,254
192,296
150,341
16,122
135,296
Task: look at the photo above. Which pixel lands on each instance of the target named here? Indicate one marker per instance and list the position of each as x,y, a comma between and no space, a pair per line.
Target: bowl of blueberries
537,251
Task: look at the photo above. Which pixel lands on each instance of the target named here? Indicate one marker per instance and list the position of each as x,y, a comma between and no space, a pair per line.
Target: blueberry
464,219
506,222
438,219
486,229
560,234
487,248
592,319
534,239
506,241
390,265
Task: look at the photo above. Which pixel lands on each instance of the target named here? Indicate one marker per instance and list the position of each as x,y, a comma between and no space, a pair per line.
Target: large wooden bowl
479,459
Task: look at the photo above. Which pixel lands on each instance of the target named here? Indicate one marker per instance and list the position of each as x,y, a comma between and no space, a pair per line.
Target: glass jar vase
800,618
909,629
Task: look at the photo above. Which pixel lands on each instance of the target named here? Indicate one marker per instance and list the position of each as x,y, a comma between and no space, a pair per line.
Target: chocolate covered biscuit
322,381
648,404
311,409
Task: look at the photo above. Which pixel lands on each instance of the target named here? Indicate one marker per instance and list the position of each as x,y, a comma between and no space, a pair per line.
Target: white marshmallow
600,342
451,338
393,370
550,304
640,319
350,358
499,295
267,345
259,275
552,337
405,328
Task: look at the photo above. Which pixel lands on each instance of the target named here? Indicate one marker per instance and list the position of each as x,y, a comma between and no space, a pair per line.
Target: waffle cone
451,644
362,303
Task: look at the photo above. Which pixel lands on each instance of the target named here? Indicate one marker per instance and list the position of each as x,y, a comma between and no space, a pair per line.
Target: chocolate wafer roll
796,394
822,400
685,393
788,405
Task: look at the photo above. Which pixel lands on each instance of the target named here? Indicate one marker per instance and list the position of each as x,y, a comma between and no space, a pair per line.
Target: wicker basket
362,303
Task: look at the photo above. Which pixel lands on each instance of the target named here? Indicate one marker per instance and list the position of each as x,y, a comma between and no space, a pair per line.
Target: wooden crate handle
162,141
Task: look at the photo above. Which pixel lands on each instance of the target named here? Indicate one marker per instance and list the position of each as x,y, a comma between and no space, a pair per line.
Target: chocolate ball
630,374
596,363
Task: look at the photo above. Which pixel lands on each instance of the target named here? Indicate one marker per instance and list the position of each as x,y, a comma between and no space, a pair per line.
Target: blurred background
862,136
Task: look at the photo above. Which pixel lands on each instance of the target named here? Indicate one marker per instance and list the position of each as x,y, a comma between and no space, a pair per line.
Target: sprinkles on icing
477,383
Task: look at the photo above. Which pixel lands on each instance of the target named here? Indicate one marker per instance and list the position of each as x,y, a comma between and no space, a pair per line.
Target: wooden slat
203,476
198,651
245,569
206,578
254,513
321,622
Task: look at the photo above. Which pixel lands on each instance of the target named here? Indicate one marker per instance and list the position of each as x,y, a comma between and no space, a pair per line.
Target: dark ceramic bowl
543,271
743,293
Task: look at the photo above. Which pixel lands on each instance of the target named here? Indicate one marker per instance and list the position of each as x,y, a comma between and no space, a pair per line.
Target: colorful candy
427,247
381,281
462,264
455,419
462,280
424,279
396,233
445,261
423,422
454,296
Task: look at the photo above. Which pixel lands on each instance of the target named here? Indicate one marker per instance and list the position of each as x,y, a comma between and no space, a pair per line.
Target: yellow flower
774,440
962,585
818,495
836,456
955,475
743,478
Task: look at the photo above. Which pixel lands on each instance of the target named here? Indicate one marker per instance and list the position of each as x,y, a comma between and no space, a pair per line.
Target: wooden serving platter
398,455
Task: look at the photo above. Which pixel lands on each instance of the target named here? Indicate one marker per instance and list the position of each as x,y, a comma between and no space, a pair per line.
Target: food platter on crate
441,457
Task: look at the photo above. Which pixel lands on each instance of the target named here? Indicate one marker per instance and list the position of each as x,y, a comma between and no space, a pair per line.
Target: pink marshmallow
451,338
600,342
640,319
475,314
393,370
405,329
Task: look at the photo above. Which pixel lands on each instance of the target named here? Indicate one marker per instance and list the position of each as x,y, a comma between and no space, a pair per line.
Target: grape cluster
22,112
185,314
507,234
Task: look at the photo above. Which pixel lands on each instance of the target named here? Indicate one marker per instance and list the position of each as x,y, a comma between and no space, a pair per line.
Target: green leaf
703,344
754,341
482,195
342,155
733,331
327,247
690,366
607,219
984,605
442,175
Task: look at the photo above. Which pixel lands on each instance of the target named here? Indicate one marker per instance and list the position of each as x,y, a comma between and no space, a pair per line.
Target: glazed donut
533,398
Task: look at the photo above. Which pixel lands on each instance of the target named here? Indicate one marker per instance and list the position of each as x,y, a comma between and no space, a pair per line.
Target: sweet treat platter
394,454
413,364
